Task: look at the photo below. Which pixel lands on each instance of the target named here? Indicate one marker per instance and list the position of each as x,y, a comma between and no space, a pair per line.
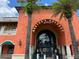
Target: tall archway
55,33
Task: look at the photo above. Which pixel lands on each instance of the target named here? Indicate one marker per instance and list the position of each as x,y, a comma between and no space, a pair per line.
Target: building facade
49,35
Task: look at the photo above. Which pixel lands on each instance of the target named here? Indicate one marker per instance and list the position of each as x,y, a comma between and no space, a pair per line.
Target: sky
7,7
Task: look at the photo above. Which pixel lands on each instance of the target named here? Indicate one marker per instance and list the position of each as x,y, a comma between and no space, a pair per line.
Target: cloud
6,10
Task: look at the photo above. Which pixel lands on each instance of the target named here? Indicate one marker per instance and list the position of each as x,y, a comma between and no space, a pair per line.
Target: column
37,56
0,49
2,29
30,52
44,56
18,56
59,48
63,51
57,57
68,52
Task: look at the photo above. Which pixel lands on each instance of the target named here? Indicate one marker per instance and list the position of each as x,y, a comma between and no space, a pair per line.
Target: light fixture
33,30
41,21
35,26
20,42
62,30
59,25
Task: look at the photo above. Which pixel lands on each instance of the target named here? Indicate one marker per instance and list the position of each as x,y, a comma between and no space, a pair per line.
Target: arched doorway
48,38
46,44
7,50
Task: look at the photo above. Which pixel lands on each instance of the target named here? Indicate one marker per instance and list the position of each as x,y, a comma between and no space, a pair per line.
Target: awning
7,43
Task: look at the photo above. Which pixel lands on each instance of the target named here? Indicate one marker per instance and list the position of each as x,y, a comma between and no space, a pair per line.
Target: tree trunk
73,38
28,36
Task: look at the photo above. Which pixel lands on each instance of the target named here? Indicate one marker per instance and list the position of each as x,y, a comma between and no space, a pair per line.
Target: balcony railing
8,33
8,19
43,56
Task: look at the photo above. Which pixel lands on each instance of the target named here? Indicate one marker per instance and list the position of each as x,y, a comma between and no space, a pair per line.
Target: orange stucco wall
46,14
76,25
63,37
20,34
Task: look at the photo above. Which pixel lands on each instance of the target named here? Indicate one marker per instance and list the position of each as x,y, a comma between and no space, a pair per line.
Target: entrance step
5,57
49,58
77,56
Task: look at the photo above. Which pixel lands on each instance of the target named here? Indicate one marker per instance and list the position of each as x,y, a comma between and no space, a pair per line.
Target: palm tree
29,7
66,8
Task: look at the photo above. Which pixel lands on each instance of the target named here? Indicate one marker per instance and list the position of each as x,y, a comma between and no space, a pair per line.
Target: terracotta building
51,31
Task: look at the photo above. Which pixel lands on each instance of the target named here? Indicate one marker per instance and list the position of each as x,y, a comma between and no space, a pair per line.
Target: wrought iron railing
9,56
52,57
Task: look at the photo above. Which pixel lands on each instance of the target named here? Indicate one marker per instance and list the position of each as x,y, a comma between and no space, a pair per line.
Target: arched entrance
7,50
46,44
48,40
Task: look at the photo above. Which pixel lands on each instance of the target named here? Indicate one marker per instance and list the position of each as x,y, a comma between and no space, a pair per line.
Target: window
8,29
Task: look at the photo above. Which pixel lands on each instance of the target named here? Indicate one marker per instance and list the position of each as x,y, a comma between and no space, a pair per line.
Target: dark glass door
46,44
10,49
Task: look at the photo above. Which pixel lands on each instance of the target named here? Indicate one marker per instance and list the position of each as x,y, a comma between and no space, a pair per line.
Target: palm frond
61,15
56,8
33,1
36,7
66,7
29,7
